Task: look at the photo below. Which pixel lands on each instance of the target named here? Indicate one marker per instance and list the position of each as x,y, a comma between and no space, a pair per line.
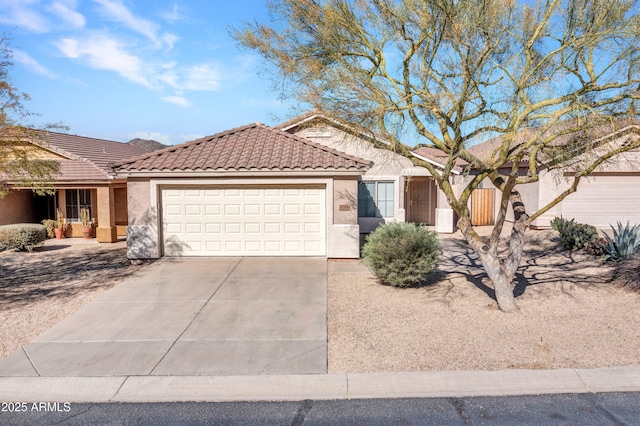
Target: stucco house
249,191
610,194
393,189
85,179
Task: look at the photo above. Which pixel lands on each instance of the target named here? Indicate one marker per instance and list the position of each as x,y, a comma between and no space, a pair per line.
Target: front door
420,200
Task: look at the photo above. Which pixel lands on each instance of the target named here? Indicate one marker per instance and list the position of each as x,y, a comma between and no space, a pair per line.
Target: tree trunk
500,273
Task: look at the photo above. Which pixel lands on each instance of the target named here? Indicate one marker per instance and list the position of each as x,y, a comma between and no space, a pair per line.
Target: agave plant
624,243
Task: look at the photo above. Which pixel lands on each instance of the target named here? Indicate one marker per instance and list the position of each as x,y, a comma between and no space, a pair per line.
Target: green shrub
573,235
627,273
22,236
50,225
402,254
560,223
625,242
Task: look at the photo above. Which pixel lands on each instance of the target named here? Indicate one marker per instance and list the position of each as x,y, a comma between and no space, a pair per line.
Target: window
75,199
375,199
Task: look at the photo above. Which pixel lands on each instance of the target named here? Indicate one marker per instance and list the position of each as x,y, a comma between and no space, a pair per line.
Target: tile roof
252,147
486,150
83,159
87,158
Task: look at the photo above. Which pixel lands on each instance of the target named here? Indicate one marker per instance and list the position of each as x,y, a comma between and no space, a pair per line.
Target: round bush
402,254
22,236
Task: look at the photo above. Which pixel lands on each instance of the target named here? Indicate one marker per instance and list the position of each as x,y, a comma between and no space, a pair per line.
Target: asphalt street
560,409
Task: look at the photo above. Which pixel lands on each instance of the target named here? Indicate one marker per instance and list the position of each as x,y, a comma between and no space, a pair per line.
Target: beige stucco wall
17,207
345,201
142,230
387,166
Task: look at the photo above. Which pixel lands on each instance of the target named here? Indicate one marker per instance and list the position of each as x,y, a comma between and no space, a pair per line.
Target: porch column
106,232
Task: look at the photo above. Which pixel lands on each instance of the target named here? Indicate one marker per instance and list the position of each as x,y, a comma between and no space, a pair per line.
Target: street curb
320,386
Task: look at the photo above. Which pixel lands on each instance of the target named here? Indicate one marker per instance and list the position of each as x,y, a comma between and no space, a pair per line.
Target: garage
248,191
244,221
604,200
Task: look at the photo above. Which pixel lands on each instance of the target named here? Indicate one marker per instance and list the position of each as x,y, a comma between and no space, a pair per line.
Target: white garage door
241,221
604,200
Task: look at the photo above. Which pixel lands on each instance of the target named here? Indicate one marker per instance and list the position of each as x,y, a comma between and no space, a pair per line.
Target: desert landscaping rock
571,316
39,289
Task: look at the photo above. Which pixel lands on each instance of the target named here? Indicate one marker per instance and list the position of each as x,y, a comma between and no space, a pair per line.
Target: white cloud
19,13
117,11
103,52
178,100
189,137
67,14
33,65
205,77
170,39
172,16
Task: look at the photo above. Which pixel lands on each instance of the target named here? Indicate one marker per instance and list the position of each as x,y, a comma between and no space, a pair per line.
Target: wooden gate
420,200
482,207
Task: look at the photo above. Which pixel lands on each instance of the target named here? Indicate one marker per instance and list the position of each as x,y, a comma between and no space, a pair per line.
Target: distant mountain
147,144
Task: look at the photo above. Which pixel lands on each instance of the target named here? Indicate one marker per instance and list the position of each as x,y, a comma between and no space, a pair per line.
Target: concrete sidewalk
318,386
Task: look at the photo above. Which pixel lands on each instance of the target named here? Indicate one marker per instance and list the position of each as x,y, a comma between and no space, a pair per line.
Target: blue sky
121,69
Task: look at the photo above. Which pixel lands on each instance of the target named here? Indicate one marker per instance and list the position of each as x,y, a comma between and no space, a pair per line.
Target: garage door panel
193,210
232,209
244,221
292,228
232,228
272,209
252,228
312,209
272,228
604,200
173,209
252,210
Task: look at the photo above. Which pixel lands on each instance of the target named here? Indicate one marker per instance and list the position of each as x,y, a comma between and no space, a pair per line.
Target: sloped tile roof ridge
174,148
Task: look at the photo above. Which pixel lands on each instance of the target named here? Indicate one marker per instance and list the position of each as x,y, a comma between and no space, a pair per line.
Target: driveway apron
193,316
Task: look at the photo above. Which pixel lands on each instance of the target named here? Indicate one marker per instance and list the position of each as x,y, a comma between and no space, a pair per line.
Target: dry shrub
627,273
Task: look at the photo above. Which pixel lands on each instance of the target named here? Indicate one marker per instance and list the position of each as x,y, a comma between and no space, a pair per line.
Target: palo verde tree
20,165
536,77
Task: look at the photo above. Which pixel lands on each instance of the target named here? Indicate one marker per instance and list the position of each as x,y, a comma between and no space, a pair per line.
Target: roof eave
236,173
435,163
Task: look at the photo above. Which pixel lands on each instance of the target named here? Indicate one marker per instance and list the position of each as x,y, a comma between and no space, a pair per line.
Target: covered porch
107,205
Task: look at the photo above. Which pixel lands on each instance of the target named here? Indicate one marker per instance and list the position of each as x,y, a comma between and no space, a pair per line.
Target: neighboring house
393,189
85,179
610,194
249,191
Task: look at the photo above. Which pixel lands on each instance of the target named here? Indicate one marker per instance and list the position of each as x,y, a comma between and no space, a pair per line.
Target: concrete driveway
193,316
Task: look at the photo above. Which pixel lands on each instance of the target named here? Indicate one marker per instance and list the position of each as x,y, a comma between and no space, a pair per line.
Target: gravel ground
570,317
39,289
